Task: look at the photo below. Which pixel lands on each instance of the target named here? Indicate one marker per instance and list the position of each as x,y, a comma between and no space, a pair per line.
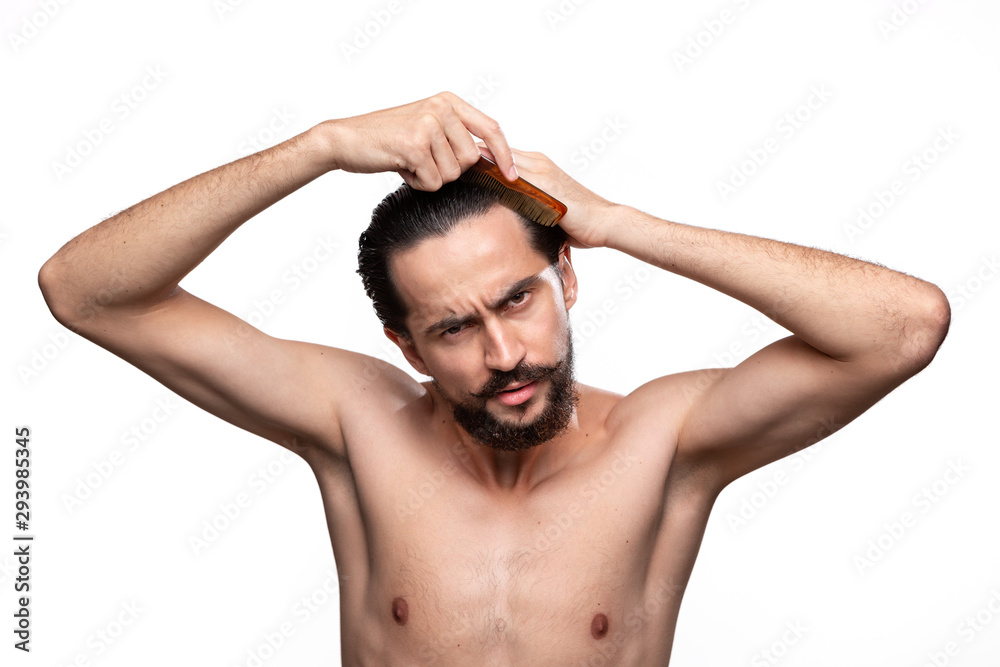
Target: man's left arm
858,329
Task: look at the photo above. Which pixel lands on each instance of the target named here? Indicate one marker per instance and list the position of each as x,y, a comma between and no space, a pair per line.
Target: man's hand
428,142
586,212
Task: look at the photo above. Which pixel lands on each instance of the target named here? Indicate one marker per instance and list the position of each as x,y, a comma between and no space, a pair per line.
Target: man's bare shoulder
652,415
664,400
362,377
367,393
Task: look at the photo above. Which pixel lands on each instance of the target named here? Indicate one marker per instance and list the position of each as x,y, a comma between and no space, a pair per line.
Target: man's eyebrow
511,292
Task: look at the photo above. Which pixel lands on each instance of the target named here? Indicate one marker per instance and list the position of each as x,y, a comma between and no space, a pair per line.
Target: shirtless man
571,551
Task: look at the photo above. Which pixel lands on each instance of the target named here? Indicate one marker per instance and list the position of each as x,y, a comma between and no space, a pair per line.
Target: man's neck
507,471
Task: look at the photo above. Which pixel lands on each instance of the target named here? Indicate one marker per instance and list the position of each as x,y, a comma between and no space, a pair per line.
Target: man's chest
570,560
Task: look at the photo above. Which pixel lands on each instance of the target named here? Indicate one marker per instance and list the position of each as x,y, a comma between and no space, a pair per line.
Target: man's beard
561,401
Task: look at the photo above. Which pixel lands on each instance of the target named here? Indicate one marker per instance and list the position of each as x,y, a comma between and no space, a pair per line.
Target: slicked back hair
407,216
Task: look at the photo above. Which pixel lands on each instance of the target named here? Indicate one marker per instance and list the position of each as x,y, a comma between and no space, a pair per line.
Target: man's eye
451,331
518,298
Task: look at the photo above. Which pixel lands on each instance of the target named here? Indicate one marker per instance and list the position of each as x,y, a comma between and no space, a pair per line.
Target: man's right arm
117,283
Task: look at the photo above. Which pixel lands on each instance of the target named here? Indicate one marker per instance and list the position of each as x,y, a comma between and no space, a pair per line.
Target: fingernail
512,173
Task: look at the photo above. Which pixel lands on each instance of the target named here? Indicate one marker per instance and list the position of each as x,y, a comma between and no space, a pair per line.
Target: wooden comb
519,195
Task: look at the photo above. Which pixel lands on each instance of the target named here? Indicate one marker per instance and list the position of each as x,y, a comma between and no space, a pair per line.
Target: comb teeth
520,195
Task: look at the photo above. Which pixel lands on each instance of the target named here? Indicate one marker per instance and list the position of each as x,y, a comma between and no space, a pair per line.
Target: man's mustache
521,373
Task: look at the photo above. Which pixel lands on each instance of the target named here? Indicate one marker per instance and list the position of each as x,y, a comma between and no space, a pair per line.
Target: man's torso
584,566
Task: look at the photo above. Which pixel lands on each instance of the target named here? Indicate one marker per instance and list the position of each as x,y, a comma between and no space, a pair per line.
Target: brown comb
519,195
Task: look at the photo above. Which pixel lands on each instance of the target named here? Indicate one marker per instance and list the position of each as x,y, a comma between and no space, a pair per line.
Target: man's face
487,319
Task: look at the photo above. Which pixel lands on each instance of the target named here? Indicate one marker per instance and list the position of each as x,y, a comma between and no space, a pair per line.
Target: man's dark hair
408,216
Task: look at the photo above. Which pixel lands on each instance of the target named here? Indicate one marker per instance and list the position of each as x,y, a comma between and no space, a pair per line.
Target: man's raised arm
859,330
117,283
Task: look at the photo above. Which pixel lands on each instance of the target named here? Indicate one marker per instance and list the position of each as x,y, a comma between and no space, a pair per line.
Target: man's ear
567,275
409,351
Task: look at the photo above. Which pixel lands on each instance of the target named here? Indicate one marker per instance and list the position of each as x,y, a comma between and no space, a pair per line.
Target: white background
663,134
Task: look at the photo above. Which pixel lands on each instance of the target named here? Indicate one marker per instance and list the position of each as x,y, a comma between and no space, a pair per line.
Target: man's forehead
472,264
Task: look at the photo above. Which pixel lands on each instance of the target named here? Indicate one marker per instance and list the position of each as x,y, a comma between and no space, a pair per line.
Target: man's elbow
925,329
54,288
48,283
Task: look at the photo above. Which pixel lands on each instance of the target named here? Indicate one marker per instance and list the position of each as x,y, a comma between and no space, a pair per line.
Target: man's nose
504,350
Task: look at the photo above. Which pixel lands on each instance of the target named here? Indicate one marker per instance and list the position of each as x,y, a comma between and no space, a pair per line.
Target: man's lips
516,385
517,393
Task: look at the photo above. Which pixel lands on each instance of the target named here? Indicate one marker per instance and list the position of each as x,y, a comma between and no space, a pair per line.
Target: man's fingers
452,151
408,178
485,150
462,146
525,160
445,163
489,131
531,165
447,125
529,159
424,176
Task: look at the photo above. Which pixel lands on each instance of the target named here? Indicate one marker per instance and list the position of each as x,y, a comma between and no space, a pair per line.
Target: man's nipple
400,611
599,626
